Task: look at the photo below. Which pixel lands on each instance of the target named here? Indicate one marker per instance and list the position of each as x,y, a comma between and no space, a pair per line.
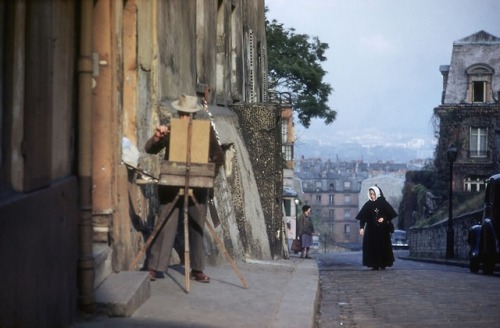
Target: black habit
377,247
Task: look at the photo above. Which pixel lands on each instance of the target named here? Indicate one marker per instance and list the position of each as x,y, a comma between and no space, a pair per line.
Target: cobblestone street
409,294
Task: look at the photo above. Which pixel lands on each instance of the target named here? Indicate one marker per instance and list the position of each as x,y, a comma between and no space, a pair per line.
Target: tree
294,62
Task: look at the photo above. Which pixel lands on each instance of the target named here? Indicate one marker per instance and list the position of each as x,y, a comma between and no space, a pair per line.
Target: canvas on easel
173,171
200,140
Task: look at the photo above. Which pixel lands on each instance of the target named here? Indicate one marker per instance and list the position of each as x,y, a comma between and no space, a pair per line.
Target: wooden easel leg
187,259
162,218
220,245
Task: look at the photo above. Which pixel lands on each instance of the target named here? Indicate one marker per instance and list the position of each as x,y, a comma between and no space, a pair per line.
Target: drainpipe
85,259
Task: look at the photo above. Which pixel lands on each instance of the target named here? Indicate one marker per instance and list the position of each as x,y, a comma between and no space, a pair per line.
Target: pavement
411,293
282,293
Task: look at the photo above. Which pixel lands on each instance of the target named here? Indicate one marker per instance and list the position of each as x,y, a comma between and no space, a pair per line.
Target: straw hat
187,104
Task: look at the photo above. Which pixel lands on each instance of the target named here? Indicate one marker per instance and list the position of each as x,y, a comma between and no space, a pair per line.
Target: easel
189,174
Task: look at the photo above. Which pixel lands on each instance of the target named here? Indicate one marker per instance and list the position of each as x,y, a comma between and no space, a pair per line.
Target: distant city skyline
354,151
383,63
373,146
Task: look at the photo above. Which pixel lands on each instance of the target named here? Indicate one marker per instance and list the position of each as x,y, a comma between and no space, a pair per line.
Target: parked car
483,238
398,239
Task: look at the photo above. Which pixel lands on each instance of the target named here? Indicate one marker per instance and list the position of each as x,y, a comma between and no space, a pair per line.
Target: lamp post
451,153
297,203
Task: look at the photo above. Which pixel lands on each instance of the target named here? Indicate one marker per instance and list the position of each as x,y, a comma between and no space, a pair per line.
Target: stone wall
261,130
430,242
237,195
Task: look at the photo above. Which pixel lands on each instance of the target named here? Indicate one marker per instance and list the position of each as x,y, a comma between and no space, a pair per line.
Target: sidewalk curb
458,263
300,301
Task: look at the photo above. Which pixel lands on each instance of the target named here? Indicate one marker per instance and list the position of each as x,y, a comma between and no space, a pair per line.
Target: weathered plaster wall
182,48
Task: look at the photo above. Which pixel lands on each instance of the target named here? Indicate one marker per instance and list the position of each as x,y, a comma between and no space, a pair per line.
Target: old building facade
79,77
469,115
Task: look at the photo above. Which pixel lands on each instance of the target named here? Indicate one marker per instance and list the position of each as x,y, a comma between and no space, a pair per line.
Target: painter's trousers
161,247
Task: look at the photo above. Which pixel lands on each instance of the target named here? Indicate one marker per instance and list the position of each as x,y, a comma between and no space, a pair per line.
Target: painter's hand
160,133
380,220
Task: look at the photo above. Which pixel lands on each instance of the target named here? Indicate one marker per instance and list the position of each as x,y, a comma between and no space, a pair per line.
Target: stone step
102,263
117,294
122,293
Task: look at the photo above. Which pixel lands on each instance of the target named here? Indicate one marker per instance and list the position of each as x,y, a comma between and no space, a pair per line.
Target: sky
383,58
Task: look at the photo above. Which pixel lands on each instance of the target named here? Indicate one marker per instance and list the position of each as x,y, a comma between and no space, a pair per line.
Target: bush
463,202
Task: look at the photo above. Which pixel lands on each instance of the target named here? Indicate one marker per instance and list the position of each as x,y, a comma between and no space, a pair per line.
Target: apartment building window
331,214
347,229
347,213
287,152
318,184
331,187
318,199
347,185
284,131
475,184
478,142
330,199
347,199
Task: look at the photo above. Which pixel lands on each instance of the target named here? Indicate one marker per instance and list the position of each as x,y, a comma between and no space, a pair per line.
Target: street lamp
451,153
297,203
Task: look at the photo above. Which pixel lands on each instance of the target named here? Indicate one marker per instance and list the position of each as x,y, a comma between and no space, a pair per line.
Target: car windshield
398,234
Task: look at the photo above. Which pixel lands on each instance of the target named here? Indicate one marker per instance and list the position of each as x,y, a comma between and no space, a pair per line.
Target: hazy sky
384,56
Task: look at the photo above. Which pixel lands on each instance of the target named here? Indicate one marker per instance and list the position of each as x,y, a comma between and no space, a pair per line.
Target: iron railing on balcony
280,97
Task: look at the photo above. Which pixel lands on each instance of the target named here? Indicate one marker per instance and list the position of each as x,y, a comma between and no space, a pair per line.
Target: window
331,214
475,184
288,206
287,152
347,229
330,199
347,213
284,131
347,185
318,184
479,80
478,91
318,199
478,142
347,199
331,188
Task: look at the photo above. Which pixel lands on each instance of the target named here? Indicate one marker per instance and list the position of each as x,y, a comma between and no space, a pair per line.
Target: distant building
333,190
291,190
469,115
